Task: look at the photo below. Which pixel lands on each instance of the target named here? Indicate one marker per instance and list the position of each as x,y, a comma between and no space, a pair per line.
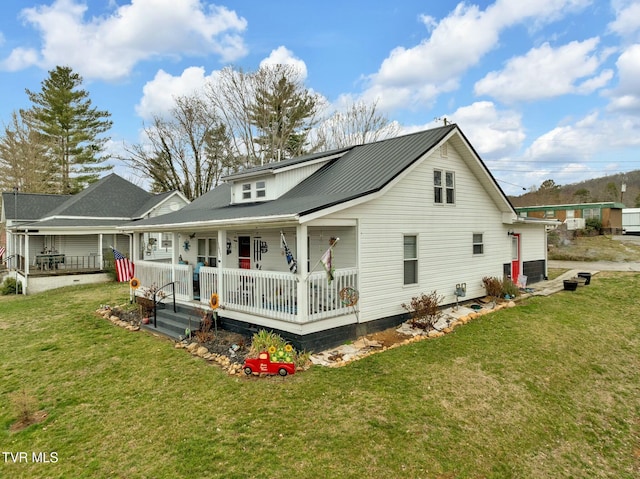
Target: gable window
261,189
410,259
444,192
478,243
437,186
450,187
246,191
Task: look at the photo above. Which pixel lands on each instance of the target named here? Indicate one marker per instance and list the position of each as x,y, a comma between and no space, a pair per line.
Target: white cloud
417,75
626,96
284,56
547,72
109,47
627,22
158,94
19,58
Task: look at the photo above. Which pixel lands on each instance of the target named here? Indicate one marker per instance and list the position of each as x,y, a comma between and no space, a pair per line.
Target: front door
244,252
515,257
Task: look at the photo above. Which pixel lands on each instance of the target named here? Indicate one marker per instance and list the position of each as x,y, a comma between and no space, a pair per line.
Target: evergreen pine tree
63,114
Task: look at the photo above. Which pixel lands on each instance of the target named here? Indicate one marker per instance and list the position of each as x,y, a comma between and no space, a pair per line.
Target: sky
543,89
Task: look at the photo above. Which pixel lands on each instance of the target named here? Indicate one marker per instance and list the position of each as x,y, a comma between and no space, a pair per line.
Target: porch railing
267,293
324,297
271,294
150,273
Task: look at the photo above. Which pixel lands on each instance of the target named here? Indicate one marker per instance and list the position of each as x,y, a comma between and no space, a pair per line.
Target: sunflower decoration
288,348
134,283
214,301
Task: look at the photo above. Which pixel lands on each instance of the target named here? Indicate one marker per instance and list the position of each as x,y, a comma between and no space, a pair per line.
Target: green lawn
549,389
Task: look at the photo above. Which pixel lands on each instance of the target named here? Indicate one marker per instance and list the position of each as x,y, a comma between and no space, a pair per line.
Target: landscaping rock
201,351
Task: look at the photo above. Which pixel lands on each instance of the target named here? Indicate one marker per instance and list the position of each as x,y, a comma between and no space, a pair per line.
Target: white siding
445,234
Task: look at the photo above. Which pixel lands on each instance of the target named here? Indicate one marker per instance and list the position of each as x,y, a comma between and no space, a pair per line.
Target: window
437,186
591,213
549,214
246,191
166,240
478,243
207,248
261,189
410,259
449,187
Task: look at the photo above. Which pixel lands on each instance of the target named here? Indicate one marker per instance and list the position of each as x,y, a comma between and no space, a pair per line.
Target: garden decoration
134,283
271,362
214,301
349,297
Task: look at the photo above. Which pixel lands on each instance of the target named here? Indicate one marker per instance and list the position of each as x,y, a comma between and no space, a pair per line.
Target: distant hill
604,189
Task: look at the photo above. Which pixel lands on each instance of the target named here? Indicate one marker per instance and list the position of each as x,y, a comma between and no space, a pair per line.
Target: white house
61,240
407,215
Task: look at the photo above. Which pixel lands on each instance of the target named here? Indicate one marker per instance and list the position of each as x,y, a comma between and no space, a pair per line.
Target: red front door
515,257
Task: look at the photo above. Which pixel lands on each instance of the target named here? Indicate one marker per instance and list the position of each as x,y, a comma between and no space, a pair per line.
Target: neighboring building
59,240
408,215
631,221
575,215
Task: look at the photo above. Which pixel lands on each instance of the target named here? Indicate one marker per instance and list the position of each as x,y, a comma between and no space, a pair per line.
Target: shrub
493,286
424,310
593,226
11,286
509,288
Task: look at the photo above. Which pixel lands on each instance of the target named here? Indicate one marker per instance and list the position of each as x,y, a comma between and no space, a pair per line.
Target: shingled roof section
109,197
30,206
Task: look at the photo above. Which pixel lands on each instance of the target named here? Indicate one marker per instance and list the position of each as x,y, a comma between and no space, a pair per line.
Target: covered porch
251,270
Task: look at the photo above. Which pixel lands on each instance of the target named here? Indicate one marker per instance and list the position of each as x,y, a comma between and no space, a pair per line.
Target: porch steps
173,324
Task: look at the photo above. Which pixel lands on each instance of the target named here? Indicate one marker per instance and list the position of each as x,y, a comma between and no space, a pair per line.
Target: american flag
2,250
291,261
124,266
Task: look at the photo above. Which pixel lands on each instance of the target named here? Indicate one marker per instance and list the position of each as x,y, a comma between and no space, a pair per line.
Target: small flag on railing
326,261
124,266
291,261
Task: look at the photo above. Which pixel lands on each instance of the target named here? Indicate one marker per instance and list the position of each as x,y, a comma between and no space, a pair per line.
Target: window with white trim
246,191
261,189
478,243
207,251
444,192
410,259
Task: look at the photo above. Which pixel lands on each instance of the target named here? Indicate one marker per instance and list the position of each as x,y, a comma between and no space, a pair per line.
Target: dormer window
246,191
261,189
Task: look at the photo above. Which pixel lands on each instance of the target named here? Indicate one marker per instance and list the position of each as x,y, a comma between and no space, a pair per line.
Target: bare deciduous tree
24,159
359,123
188,152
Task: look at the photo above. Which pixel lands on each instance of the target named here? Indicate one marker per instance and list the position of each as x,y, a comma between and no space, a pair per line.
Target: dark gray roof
362,170
109,197
110,201
30,206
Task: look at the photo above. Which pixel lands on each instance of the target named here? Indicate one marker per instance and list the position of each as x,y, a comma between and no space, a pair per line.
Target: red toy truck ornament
263,364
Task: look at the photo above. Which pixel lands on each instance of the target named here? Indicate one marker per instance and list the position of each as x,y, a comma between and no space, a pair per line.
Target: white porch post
100,258
26,254
175,247
302,253
222,257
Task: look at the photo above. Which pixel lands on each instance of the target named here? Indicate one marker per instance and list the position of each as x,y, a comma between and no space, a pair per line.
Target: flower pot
586,276
570,285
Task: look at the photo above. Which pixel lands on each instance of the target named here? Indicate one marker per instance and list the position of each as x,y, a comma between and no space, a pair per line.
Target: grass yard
549,389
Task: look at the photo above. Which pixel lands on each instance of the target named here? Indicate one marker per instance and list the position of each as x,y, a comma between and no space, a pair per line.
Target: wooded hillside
604,189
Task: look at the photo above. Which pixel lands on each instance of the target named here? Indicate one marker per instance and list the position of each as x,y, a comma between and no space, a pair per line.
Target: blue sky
542,88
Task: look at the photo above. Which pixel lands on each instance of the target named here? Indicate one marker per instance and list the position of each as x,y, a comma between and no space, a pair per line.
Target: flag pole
333,243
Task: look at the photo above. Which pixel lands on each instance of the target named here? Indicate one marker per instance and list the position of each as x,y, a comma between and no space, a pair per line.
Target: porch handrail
156,300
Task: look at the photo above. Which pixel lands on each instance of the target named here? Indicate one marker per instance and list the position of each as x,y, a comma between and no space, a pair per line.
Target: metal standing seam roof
362,170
